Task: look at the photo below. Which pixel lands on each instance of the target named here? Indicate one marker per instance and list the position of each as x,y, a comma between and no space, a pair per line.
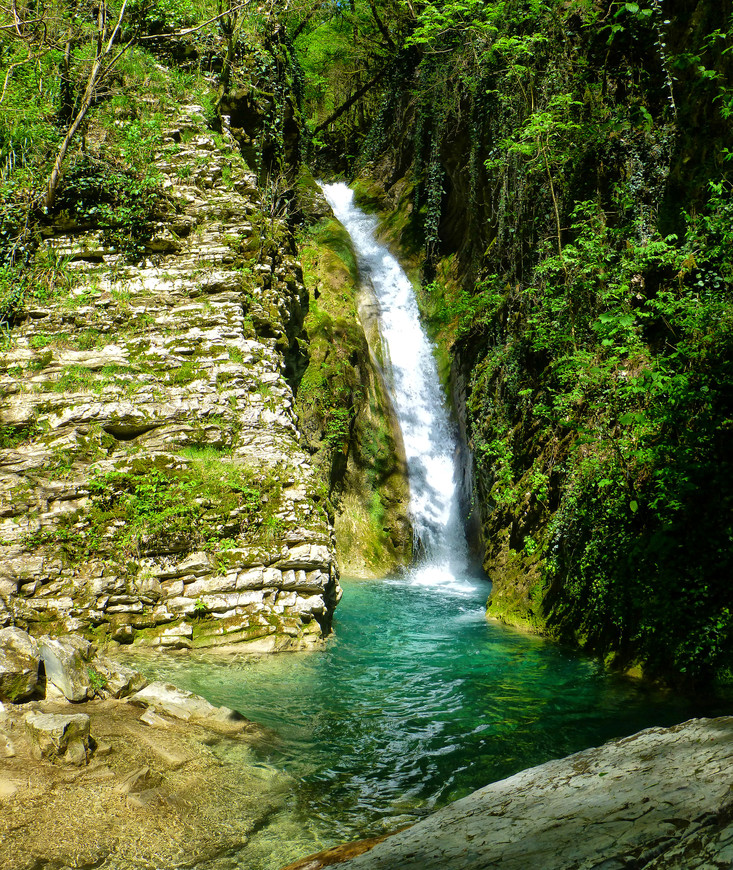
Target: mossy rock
518,590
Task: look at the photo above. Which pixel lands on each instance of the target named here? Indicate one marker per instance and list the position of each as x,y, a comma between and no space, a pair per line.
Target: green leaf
633,506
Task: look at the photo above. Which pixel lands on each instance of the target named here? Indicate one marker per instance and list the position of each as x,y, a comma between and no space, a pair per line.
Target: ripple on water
416,701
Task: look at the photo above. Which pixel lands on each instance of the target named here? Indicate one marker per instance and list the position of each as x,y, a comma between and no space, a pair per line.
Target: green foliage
118,200
634,399
165,15
27,139
39,277
482,33
342,50
13,436
187,372
453,312
151,510
73,379
96,680
577,232
337,426
157,510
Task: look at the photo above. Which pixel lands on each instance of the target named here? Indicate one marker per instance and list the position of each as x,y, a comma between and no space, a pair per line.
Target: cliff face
153,484
181,417
346,413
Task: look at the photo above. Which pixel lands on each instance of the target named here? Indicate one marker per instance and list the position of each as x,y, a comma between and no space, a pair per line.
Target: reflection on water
415,702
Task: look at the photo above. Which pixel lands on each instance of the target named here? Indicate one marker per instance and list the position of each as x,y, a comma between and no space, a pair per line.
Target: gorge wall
160,489
343,402
560,173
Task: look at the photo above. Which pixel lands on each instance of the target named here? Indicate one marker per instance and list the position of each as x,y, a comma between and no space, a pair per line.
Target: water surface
416,701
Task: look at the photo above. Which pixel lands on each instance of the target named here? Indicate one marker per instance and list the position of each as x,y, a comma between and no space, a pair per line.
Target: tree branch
380,24
198,26
98,70
301,27
352,99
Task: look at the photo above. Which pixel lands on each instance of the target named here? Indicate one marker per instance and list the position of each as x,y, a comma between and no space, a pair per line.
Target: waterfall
412,377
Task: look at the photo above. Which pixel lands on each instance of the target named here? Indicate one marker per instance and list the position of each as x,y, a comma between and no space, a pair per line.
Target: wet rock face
153,486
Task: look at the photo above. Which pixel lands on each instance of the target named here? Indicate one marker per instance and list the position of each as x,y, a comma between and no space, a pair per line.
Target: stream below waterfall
416,700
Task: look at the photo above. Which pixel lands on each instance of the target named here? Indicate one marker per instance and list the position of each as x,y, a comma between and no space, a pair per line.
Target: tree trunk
55,176
103,63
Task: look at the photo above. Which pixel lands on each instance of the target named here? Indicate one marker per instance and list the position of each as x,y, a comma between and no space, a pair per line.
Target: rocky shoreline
99,768
661,799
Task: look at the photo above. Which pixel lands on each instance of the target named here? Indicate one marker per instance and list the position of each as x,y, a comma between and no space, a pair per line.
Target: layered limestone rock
67,667
659,799
154,485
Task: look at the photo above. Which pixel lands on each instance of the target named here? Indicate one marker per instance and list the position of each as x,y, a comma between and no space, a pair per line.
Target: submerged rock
166,699
99,787
79,775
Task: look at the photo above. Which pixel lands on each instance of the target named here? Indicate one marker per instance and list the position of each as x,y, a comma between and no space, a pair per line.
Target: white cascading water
412,375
